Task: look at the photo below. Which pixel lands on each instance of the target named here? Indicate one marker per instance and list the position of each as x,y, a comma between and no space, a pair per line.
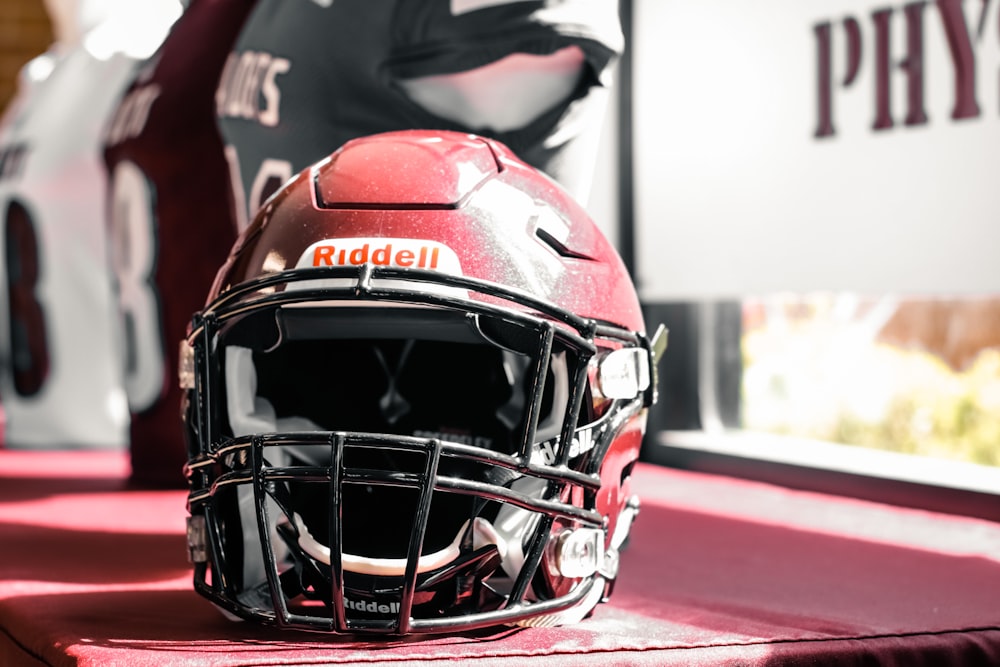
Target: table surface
719,571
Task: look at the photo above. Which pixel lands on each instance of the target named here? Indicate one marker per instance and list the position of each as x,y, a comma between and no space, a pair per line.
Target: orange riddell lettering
359,255
383,256
404,258
322,255
424,257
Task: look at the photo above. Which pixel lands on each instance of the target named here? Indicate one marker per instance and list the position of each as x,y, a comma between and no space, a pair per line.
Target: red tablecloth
719,571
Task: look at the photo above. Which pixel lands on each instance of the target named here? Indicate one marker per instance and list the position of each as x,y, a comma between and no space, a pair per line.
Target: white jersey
60,359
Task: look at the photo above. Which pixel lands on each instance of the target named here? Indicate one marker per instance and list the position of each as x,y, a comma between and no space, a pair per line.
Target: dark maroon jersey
171,219
308,75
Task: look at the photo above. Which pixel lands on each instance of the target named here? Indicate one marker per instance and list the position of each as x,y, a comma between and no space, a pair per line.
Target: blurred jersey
171,218
59,365
308,75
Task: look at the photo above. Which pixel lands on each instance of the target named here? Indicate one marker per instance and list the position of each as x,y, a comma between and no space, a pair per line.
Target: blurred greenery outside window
915,376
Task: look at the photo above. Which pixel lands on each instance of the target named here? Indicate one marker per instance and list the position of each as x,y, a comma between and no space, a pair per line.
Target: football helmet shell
414,398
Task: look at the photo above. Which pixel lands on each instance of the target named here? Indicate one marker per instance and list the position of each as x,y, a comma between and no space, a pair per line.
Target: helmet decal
399,252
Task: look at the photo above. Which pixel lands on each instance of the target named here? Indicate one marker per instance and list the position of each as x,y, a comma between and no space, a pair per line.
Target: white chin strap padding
482,534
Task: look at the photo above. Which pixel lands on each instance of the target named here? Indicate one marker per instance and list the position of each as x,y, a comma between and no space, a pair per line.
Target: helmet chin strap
505,533
483,534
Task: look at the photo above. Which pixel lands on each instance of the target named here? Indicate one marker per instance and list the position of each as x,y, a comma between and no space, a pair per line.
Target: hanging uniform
59,365
308,75
171,220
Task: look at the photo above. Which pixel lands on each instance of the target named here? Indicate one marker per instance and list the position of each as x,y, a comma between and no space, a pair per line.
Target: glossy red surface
506,222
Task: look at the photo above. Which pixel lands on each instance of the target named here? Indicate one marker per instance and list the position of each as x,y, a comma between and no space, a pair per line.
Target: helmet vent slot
560,249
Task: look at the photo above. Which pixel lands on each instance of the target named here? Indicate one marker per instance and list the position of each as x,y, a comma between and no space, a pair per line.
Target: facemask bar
261,294
242,296
264,479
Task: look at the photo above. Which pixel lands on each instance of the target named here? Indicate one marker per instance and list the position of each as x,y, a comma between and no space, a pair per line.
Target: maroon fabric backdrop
719,571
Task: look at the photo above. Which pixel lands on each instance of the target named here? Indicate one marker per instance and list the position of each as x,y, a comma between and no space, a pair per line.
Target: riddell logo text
424,257
403,253
371,606
583,442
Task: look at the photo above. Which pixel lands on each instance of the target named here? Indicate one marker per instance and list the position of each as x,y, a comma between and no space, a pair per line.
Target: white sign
837,145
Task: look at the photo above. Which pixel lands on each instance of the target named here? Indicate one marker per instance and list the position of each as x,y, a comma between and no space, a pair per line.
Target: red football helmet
415,397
